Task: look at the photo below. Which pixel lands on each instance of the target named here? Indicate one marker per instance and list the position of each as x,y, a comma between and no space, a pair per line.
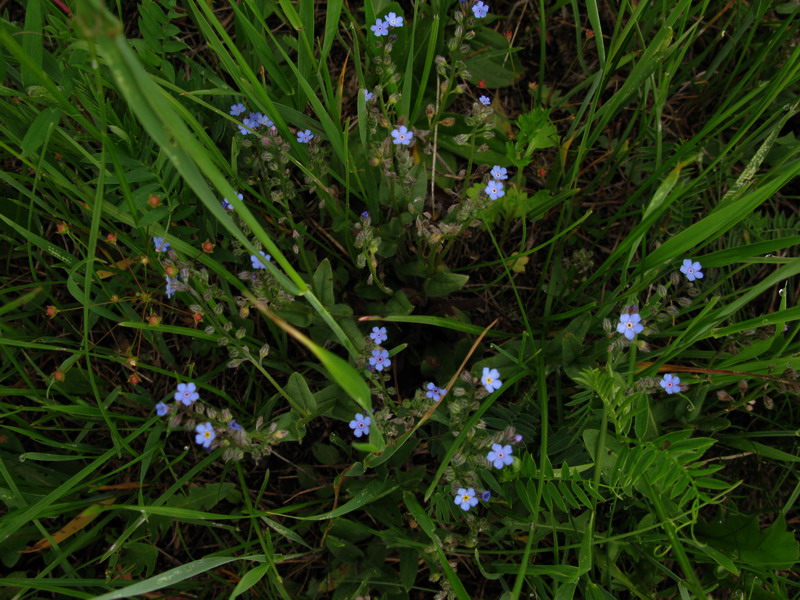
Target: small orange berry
62,228
134,379
58,156
197,317
171,270
59,375
111,238
52,311
207,246
590,34
482,84
154,201
541,172
153,320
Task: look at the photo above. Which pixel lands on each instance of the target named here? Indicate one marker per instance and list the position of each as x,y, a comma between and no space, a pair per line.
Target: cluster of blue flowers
380,357
494,189
382,27
186,394
260,262
630,323
252,121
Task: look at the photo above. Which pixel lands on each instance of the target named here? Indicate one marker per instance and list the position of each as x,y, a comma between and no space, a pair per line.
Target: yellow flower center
207,434
465,497
488,380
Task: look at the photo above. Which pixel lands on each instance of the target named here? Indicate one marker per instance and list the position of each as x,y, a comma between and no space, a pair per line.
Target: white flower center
691,270
361,425
500,455
628,324
186,394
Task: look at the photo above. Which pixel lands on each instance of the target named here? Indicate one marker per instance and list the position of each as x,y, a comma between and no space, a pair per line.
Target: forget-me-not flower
434,392
368,95
671,383
227,205
234,426
258,262
380,359
264,120
499,173
172,283
486,495
238,109
495,190
186,394
402,135
485,100
500,456
392,20
380,28
465,499
630,324
304,136
491,379
160,244
205,434
161,409
360,425
378,335
480,9
692,269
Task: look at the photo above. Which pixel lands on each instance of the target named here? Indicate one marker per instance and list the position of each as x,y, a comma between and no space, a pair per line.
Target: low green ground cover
432,299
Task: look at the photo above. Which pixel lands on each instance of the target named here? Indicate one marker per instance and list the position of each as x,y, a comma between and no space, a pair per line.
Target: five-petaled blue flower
234,426
402,135
392,20
360,425
691,269
434,392
186,394
500,456
378,335
466,499
479,9
485,100
238,109
380,359
258,262
499,172
671,383
172,283
380,28
264,120
495,189
491,379
304,136
227,205
161,245
368,95
161,409
205,434
630,324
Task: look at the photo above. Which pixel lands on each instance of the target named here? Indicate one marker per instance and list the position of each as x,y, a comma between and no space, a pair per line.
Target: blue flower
365,215
495,190
380,359
500,456
380,28
368,95
491,379
378,335
205,434
485,100
465,499
485,496
692,269
161,409
264,120
304,136
629,325
227,205
238,109
186,394
259,262
360,425
671,383
243,130
161,245
172,283
434,392
402,135
392,20
499,172
479,9
234,426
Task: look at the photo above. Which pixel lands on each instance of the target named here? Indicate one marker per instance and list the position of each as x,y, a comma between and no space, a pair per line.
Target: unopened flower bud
153,201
